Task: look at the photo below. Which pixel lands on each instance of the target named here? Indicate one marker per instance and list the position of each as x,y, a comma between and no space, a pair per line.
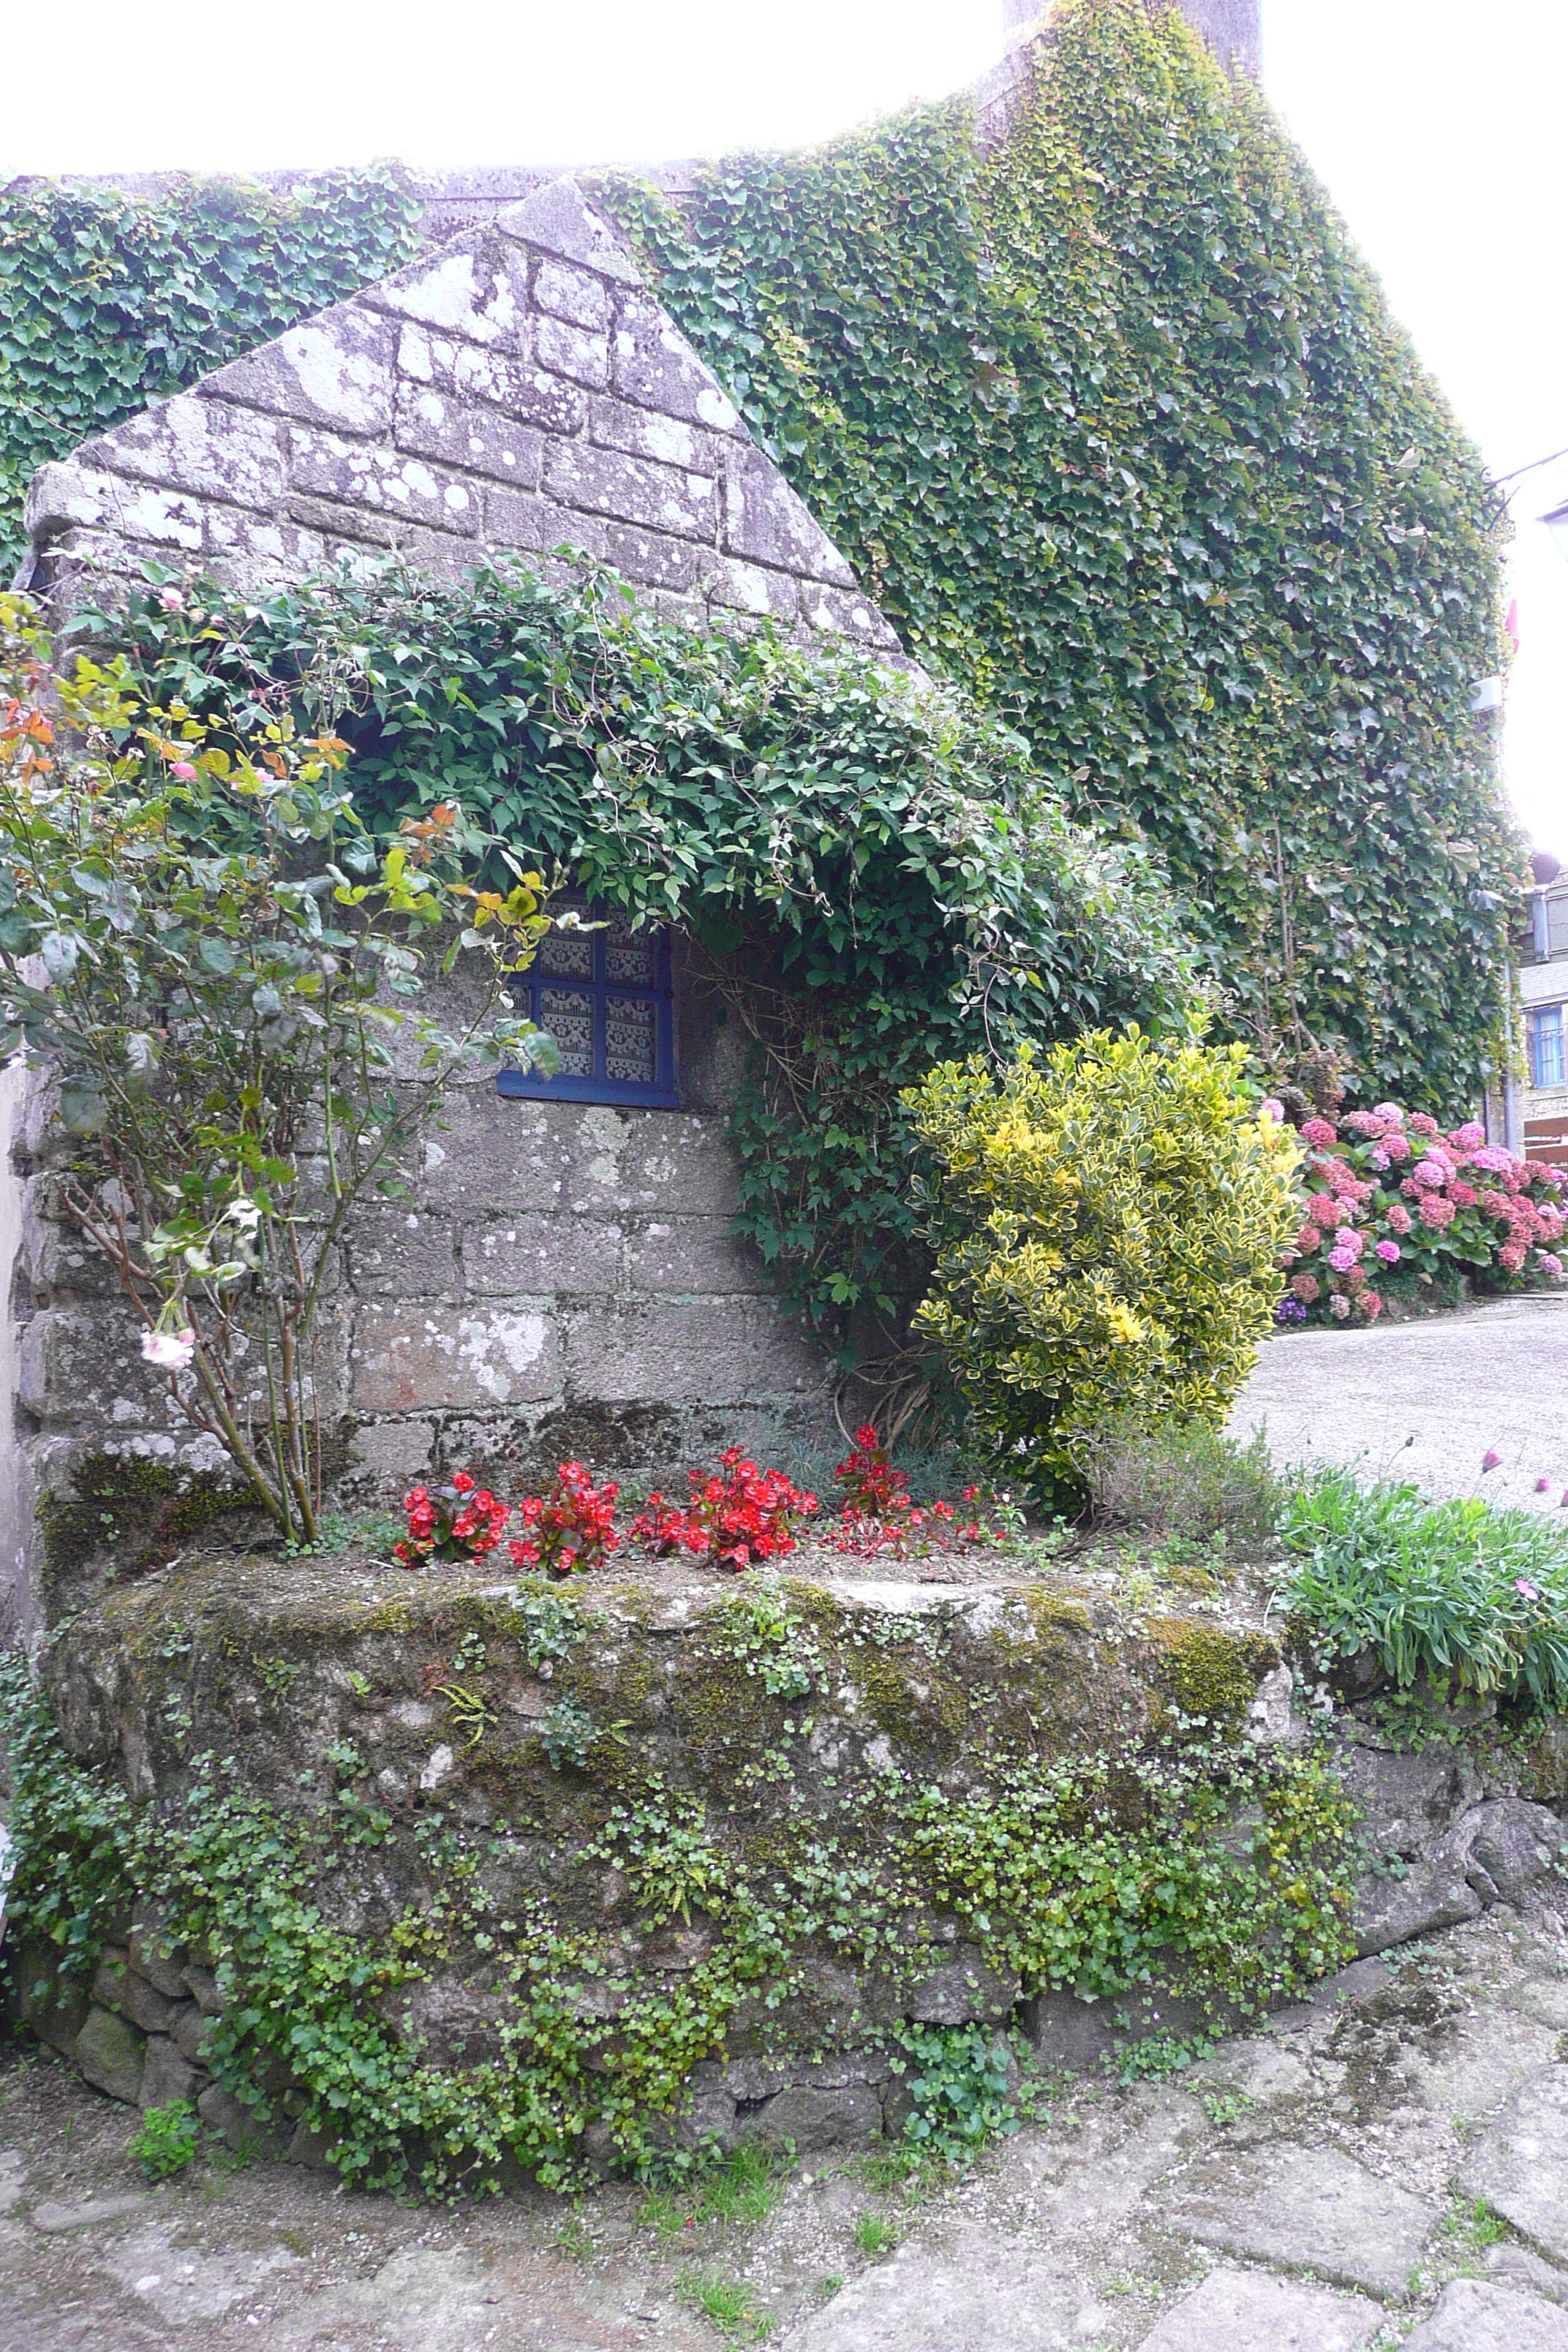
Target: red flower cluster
879,1516
572,1527
747,1515
462,1521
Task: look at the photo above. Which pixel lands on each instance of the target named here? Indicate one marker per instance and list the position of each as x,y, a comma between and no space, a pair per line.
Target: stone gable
517,389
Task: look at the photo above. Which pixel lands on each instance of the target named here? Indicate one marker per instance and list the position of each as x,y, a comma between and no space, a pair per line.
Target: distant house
1543,987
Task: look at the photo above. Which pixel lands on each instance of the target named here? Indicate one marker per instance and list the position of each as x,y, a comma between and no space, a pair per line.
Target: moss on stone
1210,1672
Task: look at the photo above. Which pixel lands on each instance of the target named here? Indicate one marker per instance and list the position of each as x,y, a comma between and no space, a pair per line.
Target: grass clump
874,2235
725,2301
1472,1598
169,2141
1182,1478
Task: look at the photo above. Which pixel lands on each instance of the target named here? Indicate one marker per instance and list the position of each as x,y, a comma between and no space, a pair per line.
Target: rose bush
1389,1196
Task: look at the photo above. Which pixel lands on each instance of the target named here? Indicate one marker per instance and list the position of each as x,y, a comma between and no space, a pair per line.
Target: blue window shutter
604,994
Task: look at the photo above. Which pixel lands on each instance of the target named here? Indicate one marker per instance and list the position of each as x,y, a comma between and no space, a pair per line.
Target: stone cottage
566,1280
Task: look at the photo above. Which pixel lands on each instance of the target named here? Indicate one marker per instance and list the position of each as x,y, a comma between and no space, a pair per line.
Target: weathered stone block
535,525
70,498
540,1255
1520,2165
654,365
695,1255
147,1955
188,2029
575,295
764,522
360,473
239,2125
1308,2209
524,394
698,1350
462,433
812,2117
335,371
168,2075
1502,1846
558,220
257,553
475,287
574,352
644,557
1473,2316
643,433
205,446
740,587
632,490
1246,2310
1408,1800
406,1357
203,1986
54,2007
110,2052
838,611
402,1253
117,1986
1391,1910
961,1990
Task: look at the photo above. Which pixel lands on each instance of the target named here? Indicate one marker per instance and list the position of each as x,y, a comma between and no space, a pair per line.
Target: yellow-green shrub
1107,1221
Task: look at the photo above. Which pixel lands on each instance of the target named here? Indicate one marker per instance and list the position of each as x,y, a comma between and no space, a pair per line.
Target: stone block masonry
518,390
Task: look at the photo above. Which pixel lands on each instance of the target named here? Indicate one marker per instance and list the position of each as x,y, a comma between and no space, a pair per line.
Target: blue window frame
1546,1046
604,995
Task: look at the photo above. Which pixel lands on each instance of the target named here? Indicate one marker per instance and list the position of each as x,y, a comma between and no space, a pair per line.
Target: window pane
568,1014
1548,1046
630,1040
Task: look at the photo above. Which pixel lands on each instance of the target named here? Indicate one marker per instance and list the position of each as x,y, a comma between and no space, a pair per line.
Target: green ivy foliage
878,877
1118,428
109,302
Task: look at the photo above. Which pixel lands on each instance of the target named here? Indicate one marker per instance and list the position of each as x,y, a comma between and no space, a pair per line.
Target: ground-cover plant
462,1521
1182,1478
1390,1200
220,968
572,1527
1471,1598
1106,1220
168,2142
735,1518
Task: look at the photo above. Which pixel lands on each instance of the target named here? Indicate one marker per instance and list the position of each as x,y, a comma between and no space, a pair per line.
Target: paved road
1426,1401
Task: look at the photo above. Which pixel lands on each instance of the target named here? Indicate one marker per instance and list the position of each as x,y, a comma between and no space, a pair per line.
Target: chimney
1233,28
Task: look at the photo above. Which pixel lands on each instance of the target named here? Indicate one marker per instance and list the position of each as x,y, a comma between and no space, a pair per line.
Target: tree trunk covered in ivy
1117,427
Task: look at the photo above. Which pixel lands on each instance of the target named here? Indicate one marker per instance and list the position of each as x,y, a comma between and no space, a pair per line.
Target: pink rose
170,1350
183,771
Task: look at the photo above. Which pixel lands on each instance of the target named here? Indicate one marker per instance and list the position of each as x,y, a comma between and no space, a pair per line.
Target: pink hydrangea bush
1394,1195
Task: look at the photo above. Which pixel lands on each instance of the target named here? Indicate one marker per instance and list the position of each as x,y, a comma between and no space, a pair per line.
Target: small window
1546,1046
604,996
1539,926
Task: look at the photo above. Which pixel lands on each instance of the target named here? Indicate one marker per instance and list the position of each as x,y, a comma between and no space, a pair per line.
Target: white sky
1437,127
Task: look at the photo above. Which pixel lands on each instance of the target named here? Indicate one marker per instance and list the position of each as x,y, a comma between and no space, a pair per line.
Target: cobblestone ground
1386,2165
1427,1400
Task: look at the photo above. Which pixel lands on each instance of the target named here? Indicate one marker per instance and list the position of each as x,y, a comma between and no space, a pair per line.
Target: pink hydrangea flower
1549,1264
1511,1256
1391,1113
1272,1108
1462,1195
1321,1209
1306,1288
1471,1137
1318,1130
1436,1213
1364,1122
1398,1219
1307,1240
1380,1160
1430,1172
1371,1305
1494,1159
1389,1251
1397,1146
1339,1306
1421,1122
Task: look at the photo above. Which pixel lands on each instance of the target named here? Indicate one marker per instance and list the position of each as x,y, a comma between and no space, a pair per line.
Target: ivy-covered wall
1116,427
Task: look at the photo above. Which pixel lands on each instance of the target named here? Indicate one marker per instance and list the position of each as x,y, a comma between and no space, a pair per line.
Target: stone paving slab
972,2293
1456,1387
1308,2209
1521,2165
1474,2316
1245,2311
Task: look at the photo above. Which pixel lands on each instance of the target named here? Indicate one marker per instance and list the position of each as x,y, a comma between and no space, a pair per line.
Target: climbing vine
874,876
1116,426
109,302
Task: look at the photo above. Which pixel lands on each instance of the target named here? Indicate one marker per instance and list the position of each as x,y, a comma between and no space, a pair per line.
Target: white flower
170,1350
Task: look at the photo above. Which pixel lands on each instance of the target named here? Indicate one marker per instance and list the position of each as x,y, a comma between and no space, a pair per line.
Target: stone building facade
565,1280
